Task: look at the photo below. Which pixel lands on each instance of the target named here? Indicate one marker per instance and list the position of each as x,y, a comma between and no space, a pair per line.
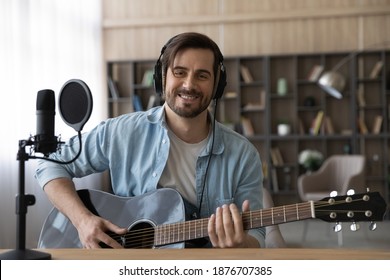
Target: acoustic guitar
157,219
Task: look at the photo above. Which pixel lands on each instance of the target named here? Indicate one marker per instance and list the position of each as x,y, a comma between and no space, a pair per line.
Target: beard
186,109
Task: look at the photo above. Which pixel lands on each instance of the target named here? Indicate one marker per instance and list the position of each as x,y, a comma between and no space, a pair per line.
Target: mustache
188,92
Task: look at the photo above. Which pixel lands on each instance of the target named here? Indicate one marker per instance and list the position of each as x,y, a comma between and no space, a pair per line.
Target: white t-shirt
179,172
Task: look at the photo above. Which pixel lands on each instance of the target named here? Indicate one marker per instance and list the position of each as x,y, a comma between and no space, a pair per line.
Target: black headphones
158,74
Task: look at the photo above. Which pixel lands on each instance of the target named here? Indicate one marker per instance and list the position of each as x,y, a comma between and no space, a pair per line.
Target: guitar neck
194,229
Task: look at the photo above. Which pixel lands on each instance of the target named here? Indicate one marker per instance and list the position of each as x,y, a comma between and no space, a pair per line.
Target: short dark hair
190,40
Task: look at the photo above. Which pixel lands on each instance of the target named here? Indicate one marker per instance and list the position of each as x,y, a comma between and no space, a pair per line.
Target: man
178,145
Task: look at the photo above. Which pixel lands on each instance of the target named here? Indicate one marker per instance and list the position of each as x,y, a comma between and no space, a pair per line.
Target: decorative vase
282,87
284,129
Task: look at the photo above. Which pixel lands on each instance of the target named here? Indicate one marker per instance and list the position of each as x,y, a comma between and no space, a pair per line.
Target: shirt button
154,174
164,141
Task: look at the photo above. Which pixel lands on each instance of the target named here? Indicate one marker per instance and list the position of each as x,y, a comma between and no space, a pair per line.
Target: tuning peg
354,226
372,226
333,194
337,227
351,192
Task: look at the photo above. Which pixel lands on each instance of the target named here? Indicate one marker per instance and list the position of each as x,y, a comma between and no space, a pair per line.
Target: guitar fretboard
189,230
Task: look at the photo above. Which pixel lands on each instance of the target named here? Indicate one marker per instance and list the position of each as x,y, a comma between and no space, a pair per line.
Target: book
317,123
247,127
315,73
264,169
279,156
256,106
362,126
253,107
328,125
113,89
230,95
376,128
246,74
376,70
360,96
274,158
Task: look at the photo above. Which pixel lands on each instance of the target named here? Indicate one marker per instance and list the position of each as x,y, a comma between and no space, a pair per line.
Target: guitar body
146,211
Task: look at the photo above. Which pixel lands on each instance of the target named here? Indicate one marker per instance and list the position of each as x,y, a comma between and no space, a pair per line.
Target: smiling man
178,145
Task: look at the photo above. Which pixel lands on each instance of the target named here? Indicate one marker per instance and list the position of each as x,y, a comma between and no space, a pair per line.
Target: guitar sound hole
140,236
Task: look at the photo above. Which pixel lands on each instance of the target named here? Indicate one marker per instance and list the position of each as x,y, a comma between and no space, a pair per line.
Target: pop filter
75,104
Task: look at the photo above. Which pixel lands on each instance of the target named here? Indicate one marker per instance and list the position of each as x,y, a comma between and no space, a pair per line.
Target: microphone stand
22,201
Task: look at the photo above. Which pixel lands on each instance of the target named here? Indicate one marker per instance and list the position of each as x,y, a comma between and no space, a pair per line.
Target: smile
188,97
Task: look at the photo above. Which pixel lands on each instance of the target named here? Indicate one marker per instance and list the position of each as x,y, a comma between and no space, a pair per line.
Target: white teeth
188,96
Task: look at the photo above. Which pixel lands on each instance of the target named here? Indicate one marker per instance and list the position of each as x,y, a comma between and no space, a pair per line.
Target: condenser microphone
45,141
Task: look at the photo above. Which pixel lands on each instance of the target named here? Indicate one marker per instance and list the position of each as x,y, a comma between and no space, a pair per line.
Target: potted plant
311,160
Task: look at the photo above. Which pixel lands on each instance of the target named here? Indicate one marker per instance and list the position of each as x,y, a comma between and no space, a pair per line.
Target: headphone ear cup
157,77
221,83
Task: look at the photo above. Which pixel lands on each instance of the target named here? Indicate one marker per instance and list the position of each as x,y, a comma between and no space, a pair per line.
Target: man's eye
178,73
203,76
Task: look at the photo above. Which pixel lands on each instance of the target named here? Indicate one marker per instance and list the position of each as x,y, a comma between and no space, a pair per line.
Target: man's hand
226,230
93,230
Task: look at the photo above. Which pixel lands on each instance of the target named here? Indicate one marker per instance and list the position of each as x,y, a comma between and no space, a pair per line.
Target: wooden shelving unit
253,95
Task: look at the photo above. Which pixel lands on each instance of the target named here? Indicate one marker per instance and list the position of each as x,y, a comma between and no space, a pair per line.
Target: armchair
338,173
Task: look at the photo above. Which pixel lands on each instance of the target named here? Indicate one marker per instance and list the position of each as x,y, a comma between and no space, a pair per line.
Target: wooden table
217,254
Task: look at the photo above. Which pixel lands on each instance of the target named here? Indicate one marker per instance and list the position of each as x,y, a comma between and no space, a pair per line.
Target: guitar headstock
368,206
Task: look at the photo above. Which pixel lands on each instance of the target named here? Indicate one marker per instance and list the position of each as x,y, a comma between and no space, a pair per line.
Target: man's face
189,82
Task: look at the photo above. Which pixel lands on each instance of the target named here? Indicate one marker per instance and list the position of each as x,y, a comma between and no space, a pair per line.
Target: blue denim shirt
135,149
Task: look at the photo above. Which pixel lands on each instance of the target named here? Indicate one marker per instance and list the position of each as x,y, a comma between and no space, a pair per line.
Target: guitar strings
189,230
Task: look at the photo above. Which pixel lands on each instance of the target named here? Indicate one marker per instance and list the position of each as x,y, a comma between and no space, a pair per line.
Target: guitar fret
161,235
183,229
195,230
313,215
165,234
168,237
172,237
174,233
261,218
189,231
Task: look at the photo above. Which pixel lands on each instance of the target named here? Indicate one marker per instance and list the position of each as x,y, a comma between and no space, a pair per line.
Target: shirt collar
157,115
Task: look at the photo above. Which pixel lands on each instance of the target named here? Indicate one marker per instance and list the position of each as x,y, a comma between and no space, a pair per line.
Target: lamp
332,82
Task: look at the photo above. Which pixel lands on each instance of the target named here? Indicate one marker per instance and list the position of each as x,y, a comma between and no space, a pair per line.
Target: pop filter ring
75,103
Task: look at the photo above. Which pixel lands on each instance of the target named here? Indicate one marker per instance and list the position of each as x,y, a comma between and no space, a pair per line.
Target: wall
137,29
